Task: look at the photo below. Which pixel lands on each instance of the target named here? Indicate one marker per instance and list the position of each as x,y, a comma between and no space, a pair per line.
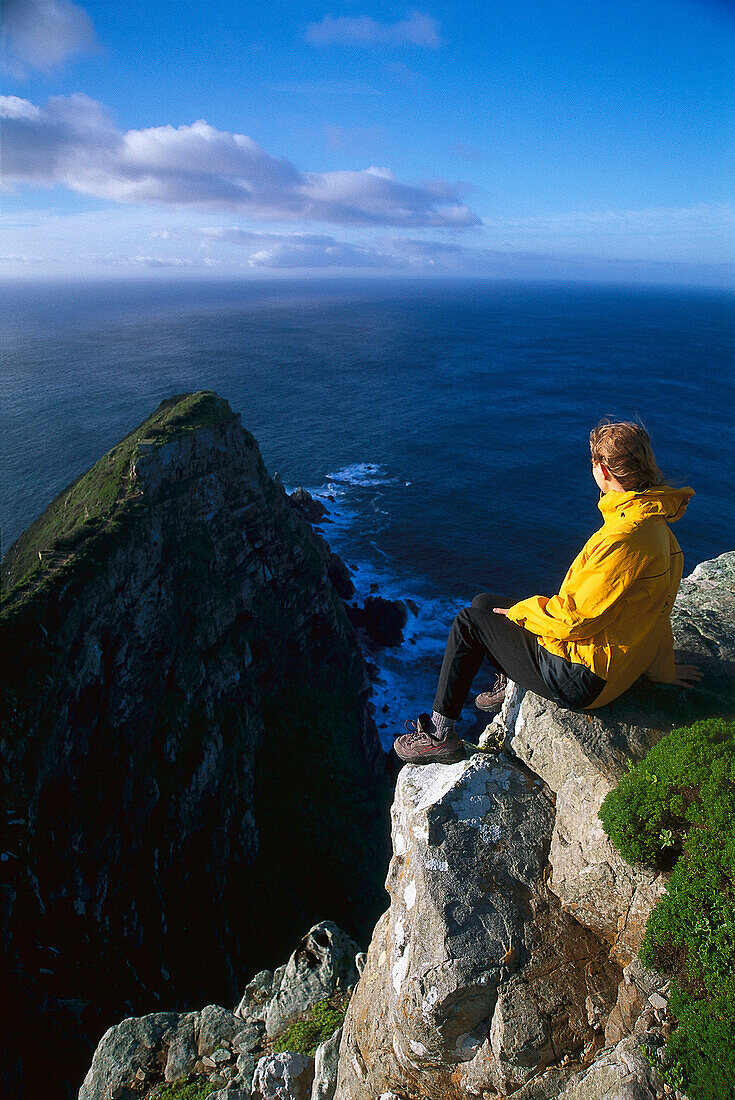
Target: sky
255,139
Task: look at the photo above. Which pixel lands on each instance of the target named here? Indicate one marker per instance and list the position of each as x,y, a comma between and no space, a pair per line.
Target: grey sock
444,726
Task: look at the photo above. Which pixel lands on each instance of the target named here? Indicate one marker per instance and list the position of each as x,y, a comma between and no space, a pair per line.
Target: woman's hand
687,676
501,610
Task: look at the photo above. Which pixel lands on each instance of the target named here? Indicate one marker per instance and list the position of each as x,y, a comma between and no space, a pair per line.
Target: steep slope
187,751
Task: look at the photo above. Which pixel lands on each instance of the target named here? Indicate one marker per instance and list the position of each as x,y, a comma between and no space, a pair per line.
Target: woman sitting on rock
609,624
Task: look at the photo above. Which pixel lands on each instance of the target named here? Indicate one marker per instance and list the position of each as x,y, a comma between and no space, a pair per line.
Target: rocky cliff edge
190,772
506,963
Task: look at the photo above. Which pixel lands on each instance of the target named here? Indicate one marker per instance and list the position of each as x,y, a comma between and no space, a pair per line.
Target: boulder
310,509
133,1046
325,1067
167,1045
323,963
283,1076
474,974
258,992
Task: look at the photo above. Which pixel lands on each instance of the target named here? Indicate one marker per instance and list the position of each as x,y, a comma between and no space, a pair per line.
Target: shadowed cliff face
186,739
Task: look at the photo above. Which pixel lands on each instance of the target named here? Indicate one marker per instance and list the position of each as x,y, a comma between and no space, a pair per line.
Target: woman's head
624,449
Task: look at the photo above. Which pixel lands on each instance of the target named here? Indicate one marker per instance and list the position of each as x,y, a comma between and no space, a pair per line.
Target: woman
609,624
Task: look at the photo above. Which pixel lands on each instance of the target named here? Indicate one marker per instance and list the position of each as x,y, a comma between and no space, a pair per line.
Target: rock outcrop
189,765
475,978
231,1050
505,965
581,756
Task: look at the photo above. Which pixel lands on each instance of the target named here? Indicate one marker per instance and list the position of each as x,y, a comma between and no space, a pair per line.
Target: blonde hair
625,449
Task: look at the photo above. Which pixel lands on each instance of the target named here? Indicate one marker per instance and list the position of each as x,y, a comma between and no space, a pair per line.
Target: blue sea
444,424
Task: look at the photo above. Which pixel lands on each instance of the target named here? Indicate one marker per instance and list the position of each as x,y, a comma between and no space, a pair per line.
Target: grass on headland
85,506
678,805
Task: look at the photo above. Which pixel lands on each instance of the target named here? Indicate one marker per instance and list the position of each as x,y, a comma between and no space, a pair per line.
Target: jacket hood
662,502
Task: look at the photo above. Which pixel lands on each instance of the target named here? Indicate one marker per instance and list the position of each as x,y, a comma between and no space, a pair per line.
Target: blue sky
206,136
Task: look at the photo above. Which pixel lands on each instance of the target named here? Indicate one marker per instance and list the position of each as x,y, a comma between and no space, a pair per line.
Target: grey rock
245,1069
248,1039
182,1051
254,1001
323,962
124,1050
215,1026
620,1074
169,1042
217,1058
340,577
310,509
283,1076
240,1080
326,1061
473,943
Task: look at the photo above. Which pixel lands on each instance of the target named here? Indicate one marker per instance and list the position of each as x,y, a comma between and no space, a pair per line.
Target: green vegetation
87,506
188,1088
306,1035
680,801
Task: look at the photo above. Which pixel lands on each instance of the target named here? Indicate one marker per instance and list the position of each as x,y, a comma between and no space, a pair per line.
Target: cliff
190,773
505,965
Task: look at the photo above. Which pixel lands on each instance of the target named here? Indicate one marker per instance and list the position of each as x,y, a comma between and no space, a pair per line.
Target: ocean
444,424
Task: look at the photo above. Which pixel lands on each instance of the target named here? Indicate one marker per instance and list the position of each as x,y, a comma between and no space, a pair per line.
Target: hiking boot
493,700
421,745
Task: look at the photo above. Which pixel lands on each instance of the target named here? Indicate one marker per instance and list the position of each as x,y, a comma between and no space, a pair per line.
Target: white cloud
417,29
300,250
71,141
43,34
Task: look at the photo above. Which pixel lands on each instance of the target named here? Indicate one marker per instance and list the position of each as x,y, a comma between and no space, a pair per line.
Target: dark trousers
478,632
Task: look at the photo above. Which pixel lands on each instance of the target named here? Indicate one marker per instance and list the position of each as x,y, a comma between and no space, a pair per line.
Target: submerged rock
310,509
382,620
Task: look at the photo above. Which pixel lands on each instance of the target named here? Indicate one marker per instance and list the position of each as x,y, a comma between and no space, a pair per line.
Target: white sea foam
364,474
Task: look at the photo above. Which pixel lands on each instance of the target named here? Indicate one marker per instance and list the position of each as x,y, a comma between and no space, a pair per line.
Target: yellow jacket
613,611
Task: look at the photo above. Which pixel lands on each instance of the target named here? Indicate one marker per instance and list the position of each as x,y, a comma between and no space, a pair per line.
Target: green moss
681,801
89,505
305,1036
188,1088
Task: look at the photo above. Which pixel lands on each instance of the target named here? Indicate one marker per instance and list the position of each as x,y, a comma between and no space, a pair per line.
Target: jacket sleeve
592,596
662,669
